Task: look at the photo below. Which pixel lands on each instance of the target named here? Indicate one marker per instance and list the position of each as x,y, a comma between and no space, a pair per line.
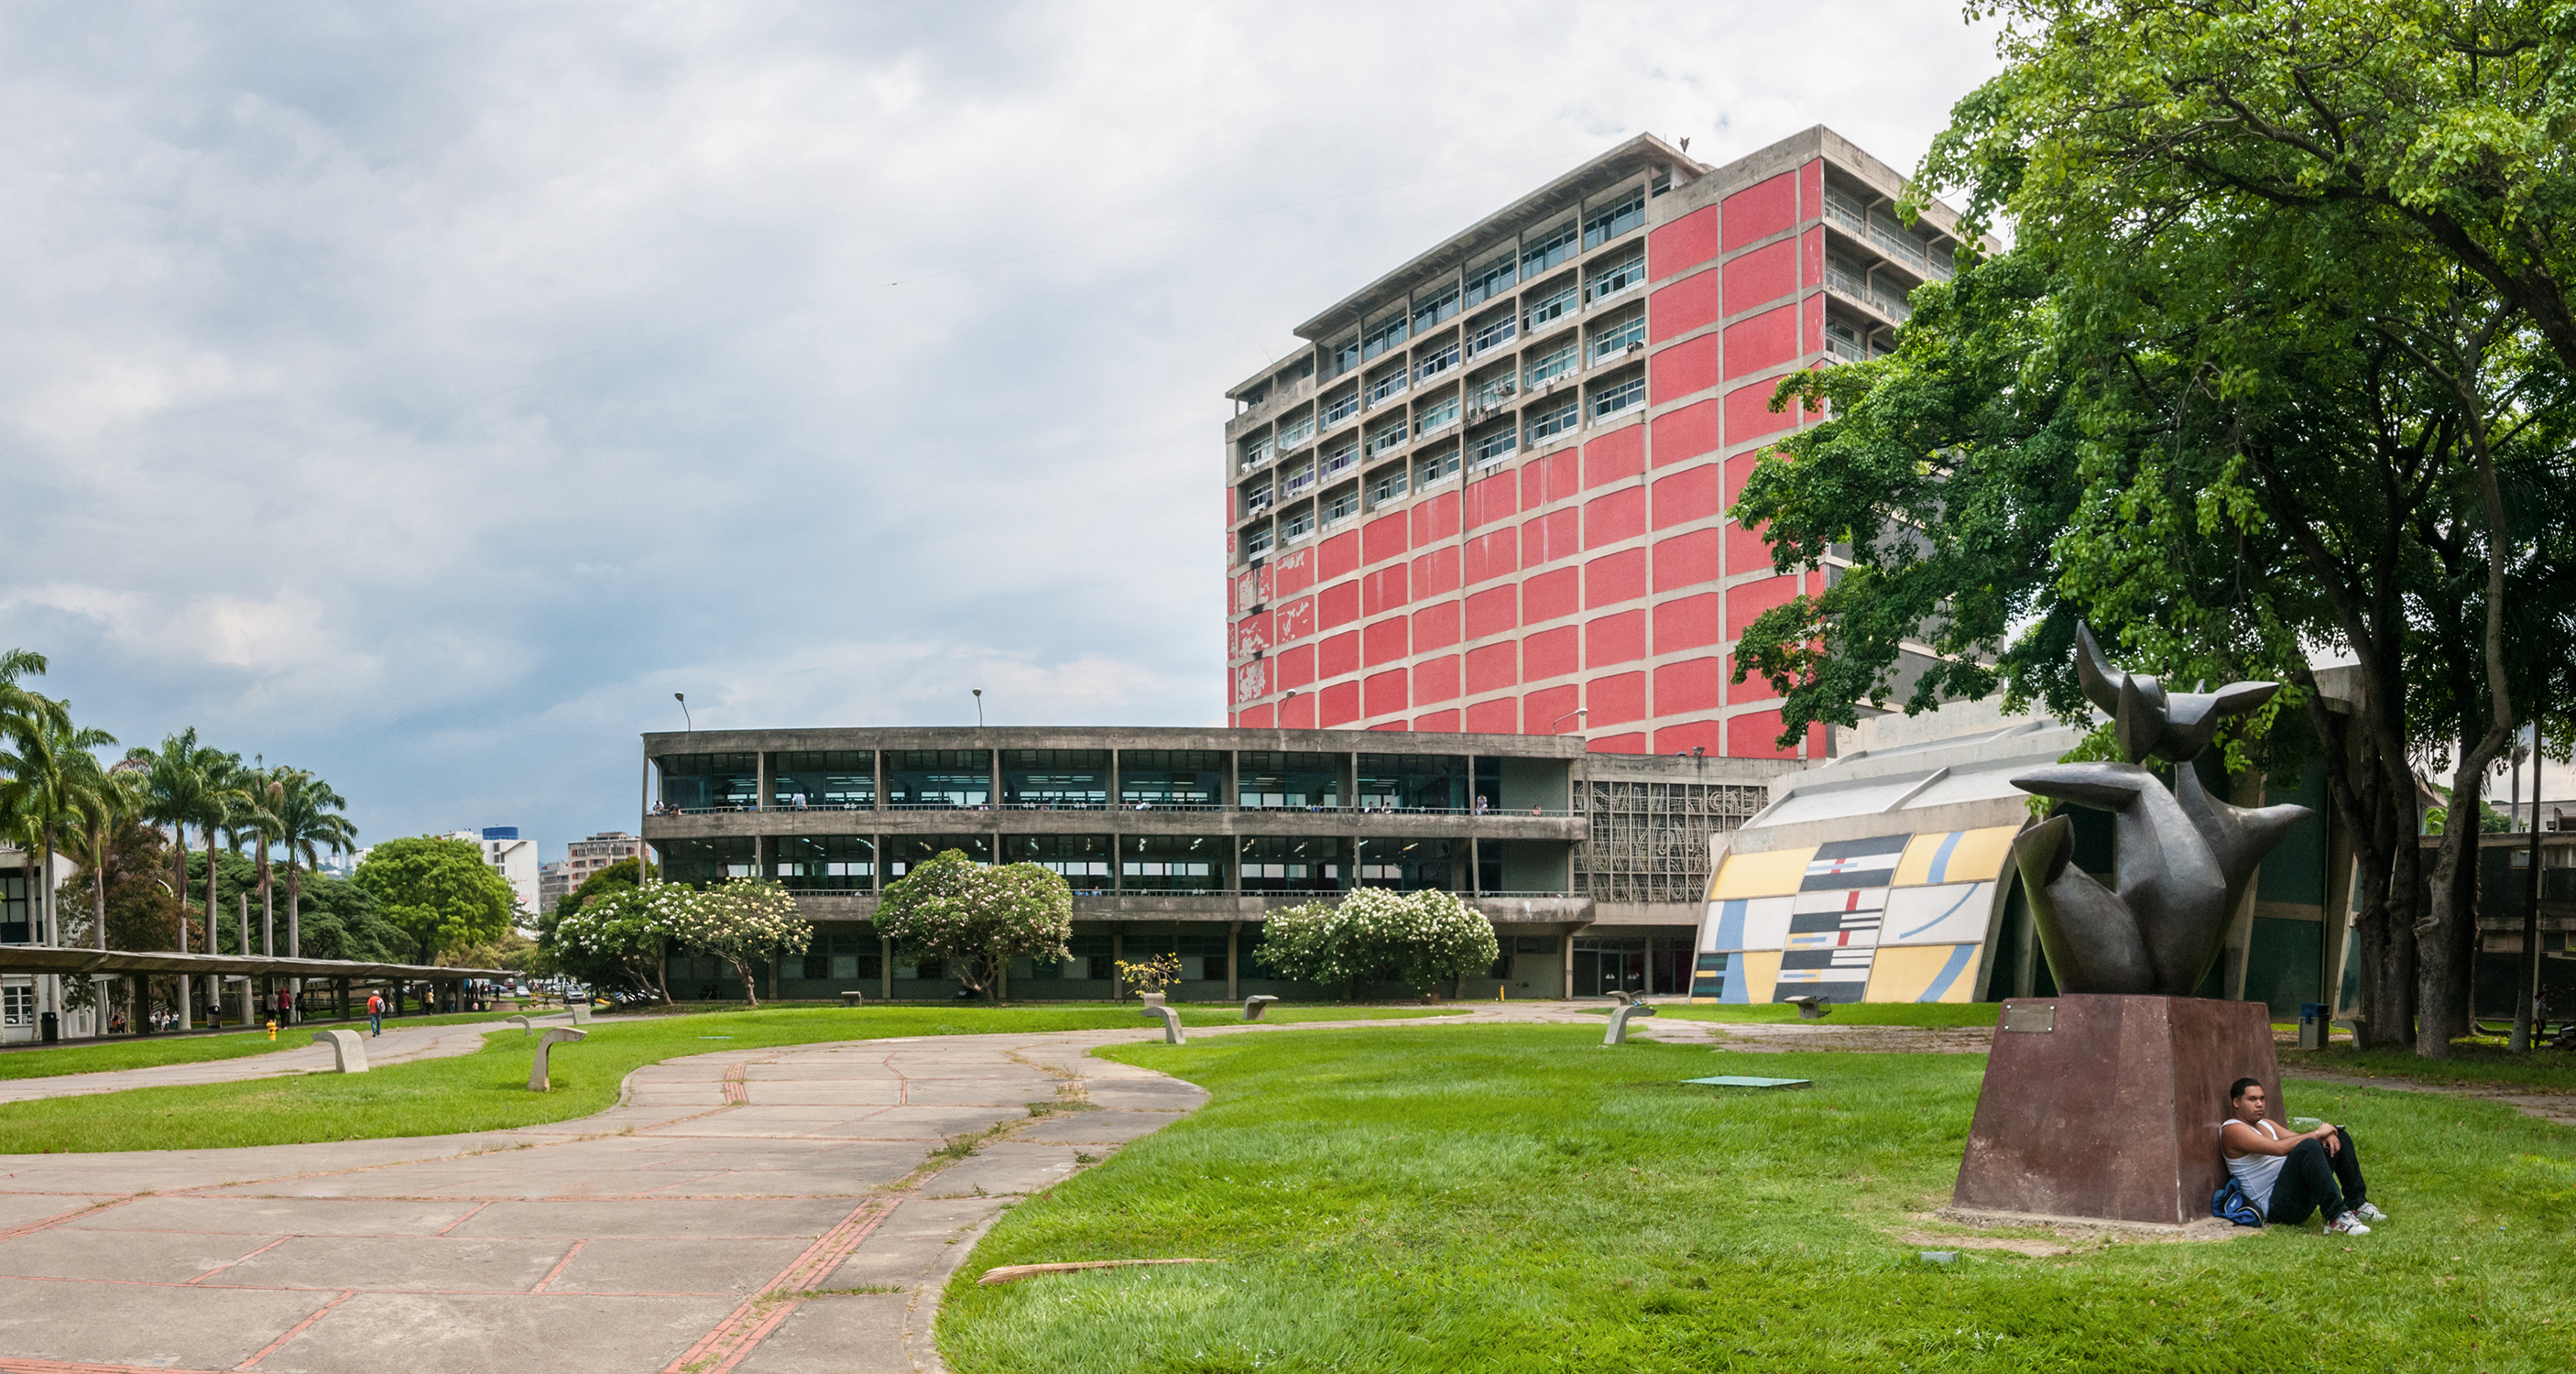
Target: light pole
683,699
979,706
1560,720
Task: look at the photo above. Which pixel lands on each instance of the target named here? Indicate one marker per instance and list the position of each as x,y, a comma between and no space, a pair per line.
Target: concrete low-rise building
1179,841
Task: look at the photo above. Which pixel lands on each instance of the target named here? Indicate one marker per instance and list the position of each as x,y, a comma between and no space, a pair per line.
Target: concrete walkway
768,1211
397,1045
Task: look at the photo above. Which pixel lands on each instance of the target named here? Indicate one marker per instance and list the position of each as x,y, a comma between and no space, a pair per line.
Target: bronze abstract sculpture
2182,857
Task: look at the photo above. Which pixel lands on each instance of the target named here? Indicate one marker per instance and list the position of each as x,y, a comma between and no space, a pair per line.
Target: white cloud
423,394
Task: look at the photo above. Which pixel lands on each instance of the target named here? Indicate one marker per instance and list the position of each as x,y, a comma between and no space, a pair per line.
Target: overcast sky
423,394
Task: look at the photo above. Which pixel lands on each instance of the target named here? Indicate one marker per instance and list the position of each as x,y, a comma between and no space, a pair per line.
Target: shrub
1420,939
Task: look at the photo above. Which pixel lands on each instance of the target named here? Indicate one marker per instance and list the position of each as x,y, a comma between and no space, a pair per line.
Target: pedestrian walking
376,1012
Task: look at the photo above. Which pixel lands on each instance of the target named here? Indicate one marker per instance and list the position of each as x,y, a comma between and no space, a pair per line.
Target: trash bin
2313,1025
50,1029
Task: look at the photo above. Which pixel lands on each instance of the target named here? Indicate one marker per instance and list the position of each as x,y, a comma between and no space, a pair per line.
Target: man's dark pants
2312,1179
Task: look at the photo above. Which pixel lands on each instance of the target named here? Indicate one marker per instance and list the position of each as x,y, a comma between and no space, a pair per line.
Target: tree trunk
2446,931
662,976
750,994
214,985
98,888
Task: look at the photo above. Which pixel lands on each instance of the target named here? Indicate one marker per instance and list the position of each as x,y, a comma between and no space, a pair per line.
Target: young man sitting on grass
2288,1176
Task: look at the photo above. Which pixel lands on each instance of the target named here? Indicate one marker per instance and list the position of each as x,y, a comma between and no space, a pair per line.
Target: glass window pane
1412,865
1055,779
903,852
825,780
1150,779
938,779
1299,864
1173,863
1413,782
708,859
1275,781
1082,859
710,782
824,863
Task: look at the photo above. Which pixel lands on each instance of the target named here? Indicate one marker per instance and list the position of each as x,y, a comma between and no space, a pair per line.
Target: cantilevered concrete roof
75,962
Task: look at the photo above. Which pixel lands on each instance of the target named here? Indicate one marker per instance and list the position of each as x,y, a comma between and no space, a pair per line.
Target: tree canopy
979,918
2267,373
438,891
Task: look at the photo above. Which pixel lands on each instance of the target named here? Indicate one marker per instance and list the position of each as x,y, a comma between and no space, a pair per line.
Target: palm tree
43,763
105,799
181,784
304,811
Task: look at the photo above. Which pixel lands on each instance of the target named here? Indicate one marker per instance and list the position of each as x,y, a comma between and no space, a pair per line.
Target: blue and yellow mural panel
1900,917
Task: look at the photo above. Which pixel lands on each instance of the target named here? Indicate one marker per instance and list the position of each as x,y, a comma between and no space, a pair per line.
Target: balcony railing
1286,888
1322,808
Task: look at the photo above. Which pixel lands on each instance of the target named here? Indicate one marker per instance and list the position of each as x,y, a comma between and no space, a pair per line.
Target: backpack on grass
2230,1203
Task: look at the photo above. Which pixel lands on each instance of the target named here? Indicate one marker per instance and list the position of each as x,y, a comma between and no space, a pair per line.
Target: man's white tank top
2256,1173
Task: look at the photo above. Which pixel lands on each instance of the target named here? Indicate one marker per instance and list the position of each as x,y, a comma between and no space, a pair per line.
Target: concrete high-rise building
513,858
1490,495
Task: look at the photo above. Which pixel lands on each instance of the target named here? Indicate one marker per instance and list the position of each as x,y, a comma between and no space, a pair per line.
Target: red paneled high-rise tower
1491,495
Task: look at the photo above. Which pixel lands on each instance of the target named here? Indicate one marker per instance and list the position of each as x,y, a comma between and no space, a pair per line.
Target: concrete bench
1812,1007
1625,999
538,1081
1618,1032
1255,1005
580,1012
1171,1024
348,1052
852,999
519,1021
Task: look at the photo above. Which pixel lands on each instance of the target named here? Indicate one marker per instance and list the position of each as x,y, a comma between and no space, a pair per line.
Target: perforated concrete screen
1887,918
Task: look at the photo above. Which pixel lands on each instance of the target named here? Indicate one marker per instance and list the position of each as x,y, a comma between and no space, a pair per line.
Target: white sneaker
2369,1211
2346,1225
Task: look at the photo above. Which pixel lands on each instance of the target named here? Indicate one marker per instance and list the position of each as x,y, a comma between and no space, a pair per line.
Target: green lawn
145,1052
2470,1064
1521,1198
1844,1013
488,1090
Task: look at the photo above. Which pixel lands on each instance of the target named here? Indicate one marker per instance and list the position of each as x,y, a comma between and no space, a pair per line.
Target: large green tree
2224,421
438,891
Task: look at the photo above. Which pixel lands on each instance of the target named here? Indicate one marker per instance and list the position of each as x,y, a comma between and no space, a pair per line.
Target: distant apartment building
553,883
513,858
1490,497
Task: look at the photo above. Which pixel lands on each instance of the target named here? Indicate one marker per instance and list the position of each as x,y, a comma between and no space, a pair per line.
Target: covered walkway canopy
126,962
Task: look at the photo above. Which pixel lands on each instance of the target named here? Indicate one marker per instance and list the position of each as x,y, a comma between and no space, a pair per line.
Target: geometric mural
1888,918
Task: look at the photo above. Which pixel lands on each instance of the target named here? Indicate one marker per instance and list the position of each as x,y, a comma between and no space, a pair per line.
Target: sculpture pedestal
2109,1106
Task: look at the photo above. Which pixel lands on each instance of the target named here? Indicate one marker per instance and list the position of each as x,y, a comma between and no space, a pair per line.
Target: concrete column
760,783
1117,951
1233,966
885,968
1565,957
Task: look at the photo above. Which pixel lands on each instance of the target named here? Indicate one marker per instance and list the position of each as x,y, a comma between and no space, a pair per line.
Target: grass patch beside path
2470,1065
488,1090
146,1052
1520,1199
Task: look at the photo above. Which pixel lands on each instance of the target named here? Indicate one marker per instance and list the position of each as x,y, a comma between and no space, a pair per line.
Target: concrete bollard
1171,1024
538,1082
852,998
348,1052
519,1021
1625,999
1618,1032
1256,1004
580,1011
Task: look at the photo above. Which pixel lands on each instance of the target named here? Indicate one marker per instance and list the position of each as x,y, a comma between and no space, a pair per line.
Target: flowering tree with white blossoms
743,921
1374,934
620,938
978,918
